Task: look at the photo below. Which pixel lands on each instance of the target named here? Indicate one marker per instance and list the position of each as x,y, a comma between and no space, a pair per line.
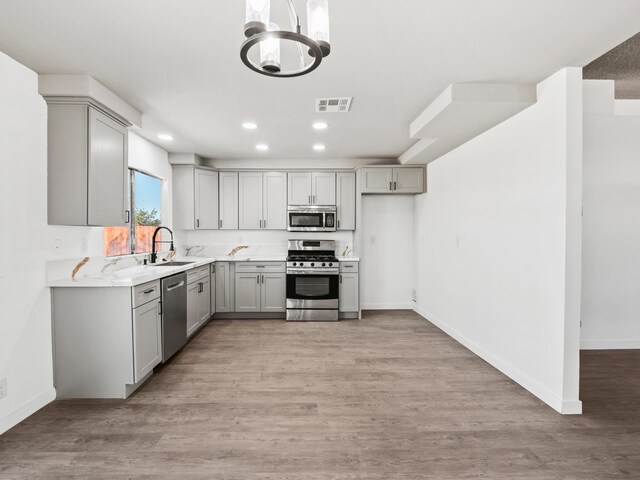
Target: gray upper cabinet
228,200
408,180
274,201
262,201
206,199
394,180
312,188
250,201
323,191
195,198
377,180
346,200
300,188
87,166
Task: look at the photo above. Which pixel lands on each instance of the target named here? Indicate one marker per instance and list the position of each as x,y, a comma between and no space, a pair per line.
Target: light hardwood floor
389,397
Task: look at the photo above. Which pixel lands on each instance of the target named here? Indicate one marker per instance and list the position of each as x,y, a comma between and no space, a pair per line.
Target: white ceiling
178,62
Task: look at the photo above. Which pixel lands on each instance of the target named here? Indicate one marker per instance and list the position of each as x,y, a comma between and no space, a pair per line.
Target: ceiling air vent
333,105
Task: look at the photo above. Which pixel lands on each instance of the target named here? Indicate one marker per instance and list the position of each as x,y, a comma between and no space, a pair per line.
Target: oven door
312,291
306,221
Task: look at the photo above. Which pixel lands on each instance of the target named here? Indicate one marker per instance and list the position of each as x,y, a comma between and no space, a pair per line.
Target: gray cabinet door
299,188
349,293
228,200
346,200
274,201
408,180
107,171
323,191
206,199
193,306
183,197
376,180
204,301
223,288
273,292
147,339
250,200
247,292
212,288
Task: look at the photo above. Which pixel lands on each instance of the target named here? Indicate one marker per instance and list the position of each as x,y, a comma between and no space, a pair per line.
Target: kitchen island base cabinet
103,347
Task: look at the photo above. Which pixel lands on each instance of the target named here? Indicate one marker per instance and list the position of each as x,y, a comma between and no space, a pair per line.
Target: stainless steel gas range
312,281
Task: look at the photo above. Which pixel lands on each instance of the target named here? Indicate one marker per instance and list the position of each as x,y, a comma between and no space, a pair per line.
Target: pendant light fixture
259,30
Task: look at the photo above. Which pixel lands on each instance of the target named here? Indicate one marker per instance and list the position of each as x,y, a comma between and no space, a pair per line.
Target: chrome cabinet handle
391,186
159,308
338,223
258,279
264,224
128,216
340,278
309,198
262,279
198,223
395,185
147,292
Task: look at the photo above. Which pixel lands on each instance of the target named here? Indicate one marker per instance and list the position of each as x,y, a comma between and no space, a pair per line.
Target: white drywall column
497,243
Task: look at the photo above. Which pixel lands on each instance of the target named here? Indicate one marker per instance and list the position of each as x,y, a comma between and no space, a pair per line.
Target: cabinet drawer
260,267
203,272
145,293
346,267
193,275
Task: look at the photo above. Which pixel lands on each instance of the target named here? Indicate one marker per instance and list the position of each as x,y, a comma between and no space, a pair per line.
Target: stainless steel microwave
312,218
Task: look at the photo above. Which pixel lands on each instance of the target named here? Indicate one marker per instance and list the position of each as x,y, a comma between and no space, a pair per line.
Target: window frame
131,205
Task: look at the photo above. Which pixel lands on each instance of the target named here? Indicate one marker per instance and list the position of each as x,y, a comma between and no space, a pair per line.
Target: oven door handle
307,271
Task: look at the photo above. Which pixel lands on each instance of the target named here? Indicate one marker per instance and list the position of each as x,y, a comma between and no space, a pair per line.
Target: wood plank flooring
386,397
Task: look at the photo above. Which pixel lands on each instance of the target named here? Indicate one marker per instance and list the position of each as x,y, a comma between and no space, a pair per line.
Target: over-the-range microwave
311,218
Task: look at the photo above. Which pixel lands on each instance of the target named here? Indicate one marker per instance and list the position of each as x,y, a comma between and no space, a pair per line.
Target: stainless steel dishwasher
174,314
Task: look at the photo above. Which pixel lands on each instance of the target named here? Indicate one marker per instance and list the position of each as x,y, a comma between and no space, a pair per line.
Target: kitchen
339,294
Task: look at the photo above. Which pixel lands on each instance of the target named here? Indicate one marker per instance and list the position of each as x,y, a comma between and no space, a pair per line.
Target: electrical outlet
3,388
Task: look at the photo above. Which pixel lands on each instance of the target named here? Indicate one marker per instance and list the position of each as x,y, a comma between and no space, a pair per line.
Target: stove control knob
324,264
331,264
295,264
301,264
313,264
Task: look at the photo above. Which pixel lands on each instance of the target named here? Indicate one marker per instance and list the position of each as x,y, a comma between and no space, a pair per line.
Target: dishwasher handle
175,285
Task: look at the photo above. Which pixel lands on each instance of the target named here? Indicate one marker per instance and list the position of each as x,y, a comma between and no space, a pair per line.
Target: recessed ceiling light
262,147
318,147
321,125
250,125
165,136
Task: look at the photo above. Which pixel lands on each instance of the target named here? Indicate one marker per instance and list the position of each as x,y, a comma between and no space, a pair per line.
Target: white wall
386,270
497,244
611,233
27,242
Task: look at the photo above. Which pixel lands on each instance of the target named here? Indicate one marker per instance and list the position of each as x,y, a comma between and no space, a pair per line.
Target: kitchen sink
171,264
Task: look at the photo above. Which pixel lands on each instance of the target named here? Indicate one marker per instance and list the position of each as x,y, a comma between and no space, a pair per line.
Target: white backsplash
260,243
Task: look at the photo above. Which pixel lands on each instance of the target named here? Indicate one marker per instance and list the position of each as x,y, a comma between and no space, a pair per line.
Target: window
145,198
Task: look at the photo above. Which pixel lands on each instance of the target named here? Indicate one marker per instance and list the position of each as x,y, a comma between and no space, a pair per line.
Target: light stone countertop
137,275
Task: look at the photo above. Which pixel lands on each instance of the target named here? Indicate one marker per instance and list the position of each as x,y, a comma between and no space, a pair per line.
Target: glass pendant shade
257,16
318,24
270,51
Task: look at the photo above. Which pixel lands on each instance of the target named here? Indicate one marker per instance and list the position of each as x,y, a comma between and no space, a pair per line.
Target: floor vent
333,105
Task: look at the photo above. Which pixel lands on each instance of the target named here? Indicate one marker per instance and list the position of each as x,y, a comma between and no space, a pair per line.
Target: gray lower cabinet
147,338
87,165
247,292
349,287
212,289
260,287
106,341
223,288
198,298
